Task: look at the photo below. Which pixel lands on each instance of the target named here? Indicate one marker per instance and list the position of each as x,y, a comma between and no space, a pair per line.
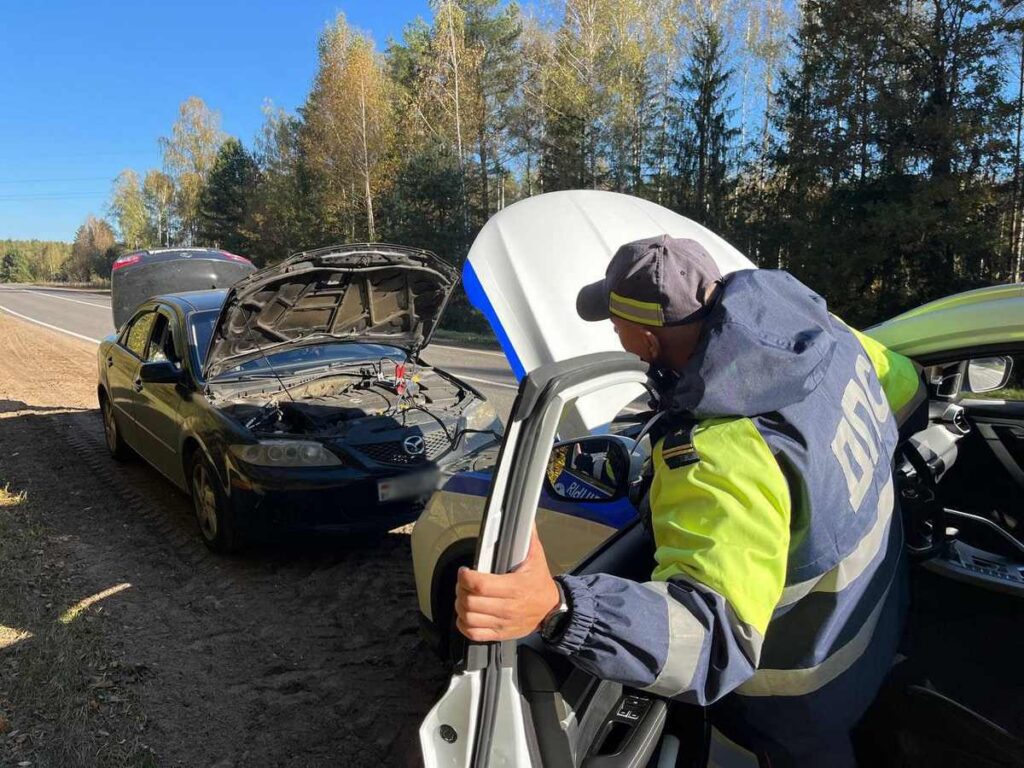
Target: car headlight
482,416
286,453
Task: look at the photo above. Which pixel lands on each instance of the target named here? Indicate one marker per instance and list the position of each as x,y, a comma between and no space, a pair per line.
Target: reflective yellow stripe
643,312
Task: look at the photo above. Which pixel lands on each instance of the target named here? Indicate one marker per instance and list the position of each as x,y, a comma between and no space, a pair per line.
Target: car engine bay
325,404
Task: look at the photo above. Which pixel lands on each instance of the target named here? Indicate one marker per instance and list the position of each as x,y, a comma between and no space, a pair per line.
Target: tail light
125,261
235,257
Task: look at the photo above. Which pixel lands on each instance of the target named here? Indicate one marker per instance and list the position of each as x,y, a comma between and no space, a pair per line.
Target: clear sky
86,88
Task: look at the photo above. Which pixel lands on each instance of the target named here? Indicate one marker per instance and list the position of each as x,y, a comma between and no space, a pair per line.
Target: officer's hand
508,606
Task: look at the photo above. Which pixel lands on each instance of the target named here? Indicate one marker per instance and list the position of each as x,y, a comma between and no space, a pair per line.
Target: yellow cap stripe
643,312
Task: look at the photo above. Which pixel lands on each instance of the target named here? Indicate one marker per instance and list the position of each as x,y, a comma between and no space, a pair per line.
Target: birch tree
128,209
158,199
189,154
349,122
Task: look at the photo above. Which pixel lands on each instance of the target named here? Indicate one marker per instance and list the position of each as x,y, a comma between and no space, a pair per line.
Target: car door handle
138,385
110,361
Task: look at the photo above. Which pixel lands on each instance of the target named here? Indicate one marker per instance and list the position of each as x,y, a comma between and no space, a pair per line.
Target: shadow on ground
298,653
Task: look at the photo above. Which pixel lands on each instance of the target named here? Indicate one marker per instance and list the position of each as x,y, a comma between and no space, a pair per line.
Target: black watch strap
554,624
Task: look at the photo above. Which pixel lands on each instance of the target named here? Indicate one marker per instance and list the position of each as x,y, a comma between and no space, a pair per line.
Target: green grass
1007,393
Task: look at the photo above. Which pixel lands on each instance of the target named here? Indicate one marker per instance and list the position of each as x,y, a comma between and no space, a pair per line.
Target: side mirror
987,374
160,372
592,469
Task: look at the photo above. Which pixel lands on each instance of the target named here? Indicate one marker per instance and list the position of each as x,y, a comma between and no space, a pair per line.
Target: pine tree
704,133
227,199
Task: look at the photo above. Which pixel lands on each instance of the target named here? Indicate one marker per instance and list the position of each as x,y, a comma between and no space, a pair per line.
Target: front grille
436,444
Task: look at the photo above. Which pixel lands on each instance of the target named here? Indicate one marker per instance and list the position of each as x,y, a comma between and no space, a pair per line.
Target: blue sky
87,87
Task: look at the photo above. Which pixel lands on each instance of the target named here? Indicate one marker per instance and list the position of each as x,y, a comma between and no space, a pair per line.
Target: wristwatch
552,626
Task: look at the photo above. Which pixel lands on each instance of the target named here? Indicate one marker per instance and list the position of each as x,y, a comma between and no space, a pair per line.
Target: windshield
326,353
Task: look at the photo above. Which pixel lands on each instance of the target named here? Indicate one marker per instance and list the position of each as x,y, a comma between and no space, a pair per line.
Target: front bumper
320,500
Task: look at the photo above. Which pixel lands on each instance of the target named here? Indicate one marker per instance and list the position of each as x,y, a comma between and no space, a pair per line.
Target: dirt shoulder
124,642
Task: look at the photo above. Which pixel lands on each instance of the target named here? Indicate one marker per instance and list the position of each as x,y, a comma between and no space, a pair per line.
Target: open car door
509,705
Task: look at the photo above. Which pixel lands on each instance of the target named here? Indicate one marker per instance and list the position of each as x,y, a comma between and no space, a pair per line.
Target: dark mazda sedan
296,400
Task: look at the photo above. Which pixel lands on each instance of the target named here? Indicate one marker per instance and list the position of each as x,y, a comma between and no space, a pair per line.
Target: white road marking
468,349
47,325
488,381
65,298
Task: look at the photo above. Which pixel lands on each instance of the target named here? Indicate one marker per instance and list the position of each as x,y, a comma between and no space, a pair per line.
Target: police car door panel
577,719
480,720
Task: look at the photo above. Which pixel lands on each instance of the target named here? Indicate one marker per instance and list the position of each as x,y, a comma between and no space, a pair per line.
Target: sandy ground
292,655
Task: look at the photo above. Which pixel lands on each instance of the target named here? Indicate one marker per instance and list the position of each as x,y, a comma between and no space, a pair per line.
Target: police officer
778,592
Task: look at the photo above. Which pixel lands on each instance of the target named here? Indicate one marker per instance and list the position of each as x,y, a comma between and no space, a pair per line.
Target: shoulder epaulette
677,450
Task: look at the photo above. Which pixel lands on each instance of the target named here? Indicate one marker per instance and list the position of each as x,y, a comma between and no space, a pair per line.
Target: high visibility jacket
779,565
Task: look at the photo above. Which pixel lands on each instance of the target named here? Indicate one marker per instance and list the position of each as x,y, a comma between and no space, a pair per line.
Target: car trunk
139,276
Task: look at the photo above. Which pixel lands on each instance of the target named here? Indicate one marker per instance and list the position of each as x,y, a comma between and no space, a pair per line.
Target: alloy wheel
109,426
204,499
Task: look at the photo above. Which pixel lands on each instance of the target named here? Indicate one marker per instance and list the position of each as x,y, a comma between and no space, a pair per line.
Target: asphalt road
86,315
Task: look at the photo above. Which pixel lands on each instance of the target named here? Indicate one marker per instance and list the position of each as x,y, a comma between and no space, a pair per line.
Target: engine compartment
330,404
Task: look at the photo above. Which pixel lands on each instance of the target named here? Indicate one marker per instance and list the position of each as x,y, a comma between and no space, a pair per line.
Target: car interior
955,695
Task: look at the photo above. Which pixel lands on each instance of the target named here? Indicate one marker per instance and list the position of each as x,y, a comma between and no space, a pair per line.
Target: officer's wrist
553,625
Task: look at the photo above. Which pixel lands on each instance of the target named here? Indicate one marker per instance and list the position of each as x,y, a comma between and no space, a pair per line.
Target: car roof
981,318
195,301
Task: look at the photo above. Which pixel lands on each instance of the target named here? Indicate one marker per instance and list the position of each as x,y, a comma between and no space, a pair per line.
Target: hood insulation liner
377,301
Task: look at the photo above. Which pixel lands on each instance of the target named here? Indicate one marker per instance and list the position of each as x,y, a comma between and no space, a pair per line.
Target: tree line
871,147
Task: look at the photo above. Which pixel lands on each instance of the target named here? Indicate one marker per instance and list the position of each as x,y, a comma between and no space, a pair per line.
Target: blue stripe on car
478,298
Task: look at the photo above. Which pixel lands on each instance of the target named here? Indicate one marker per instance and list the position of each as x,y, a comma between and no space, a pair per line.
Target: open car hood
375,293
530,260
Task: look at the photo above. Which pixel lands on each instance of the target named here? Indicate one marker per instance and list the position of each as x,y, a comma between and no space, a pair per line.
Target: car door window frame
168,327
123,341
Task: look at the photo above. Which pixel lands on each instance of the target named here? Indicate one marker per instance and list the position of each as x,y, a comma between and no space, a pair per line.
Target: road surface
86,315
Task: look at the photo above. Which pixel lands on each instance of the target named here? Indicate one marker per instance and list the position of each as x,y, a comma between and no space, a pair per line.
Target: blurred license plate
407,486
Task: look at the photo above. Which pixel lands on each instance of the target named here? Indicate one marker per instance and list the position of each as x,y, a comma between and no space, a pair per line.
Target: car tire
453,644
116,445
210,506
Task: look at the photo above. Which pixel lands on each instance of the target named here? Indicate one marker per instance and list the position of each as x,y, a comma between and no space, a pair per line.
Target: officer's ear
652,346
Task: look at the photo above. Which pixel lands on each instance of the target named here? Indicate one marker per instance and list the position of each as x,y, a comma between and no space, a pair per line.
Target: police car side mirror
987,374
592,469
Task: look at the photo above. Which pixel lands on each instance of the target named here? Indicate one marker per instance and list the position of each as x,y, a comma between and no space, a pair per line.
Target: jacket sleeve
721,526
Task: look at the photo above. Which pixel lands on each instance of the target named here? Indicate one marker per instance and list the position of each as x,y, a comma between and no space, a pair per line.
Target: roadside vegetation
871,147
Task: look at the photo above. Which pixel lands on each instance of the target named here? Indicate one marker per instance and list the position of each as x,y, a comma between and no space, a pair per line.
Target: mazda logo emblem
414,445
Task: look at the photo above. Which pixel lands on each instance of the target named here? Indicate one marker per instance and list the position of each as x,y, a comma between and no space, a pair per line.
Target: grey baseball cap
655,281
